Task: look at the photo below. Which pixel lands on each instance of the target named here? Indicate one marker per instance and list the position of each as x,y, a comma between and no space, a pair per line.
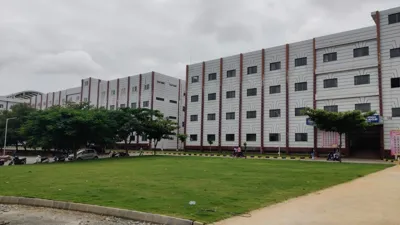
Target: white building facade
257,98
149,90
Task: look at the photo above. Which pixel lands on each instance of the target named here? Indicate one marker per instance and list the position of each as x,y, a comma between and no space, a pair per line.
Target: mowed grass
162,184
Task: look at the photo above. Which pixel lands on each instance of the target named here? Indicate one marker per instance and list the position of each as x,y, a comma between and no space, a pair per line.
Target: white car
84,154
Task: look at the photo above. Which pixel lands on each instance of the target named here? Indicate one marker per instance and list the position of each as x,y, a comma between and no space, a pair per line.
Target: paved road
23,215
371,200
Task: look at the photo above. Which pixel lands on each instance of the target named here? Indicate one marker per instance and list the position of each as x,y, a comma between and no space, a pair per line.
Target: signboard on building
373,119
395,142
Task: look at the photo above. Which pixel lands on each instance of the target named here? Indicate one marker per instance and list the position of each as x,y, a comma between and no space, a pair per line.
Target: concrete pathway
371,200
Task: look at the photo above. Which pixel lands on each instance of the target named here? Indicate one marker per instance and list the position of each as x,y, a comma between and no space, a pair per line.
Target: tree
19,112
340,122
182,138
210,142
155,126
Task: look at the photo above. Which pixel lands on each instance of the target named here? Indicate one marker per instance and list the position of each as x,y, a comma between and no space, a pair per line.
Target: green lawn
221,187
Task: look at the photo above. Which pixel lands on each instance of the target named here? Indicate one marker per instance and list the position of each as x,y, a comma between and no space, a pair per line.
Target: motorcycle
40,159
60,158
334,156
17,161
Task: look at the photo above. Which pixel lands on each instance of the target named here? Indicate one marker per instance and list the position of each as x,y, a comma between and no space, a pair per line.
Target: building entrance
366,143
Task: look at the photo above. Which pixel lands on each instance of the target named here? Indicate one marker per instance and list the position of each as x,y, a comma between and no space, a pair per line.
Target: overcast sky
48,45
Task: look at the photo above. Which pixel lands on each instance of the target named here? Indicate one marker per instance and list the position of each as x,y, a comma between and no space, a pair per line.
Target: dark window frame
160,99
300,84
211,116
228,114
195,79
230,94
212,76
230,73
194,118
298,111
300,62
275,89
251,114
251,135
359,106
361,52
193,137
394,52
250,92
252,70
212,96
394,18
396,112
274,137
274,66
331,108
194,98
362,79
299,137
212,137
330,57
327,83
230,137
274,113
395,82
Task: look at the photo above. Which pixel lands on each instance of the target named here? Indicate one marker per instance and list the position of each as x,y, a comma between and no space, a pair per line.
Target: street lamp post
5,134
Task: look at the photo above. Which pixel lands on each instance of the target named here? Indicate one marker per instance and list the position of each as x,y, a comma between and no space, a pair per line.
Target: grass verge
221,187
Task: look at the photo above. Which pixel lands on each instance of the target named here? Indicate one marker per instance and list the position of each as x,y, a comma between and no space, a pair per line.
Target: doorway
366,143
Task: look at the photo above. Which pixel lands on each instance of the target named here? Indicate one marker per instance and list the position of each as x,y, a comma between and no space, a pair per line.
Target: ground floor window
301,137
251,137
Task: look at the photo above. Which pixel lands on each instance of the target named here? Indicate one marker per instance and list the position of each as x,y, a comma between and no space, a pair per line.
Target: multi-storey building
149,90
6,102
258,97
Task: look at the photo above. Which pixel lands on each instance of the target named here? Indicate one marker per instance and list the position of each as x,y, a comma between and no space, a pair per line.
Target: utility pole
5,134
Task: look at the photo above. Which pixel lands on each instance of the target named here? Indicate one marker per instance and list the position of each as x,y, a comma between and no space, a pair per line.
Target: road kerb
100,210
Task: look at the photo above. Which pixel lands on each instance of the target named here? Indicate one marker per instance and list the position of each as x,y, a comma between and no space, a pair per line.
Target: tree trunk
16,146
126,146
155,146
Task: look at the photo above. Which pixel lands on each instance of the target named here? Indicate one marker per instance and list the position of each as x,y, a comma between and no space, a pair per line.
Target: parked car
84,154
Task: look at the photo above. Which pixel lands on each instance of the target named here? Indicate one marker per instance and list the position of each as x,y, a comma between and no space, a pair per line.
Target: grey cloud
51,44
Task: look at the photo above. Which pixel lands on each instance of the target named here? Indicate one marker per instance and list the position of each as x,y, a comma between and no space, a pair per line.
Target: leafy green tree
182,138
340,122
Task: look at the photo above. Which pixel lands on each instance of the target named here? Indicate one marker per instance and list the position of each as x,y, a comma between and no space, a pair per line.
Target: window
212,96
77,98
252,92
251,114
1,106
359,52
112,92
112,107
146,86
300,62
183,124
302,86
160,82
331,108
212,76
134,89
159,99
193,118
123,92
184,108
361,79
274,113
173,101
193,137
395,112
301,137
172,85
363,107
133,105
251,137
395,82
275,89
330,83
86,83
85,99
144,138
211,116
299,111
194,98
146,104
230,137
195,79
275,66
230,115
230,94
172,117
328,57
251,69
231,73
211,137
274,137
395,52
122,106
394,18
